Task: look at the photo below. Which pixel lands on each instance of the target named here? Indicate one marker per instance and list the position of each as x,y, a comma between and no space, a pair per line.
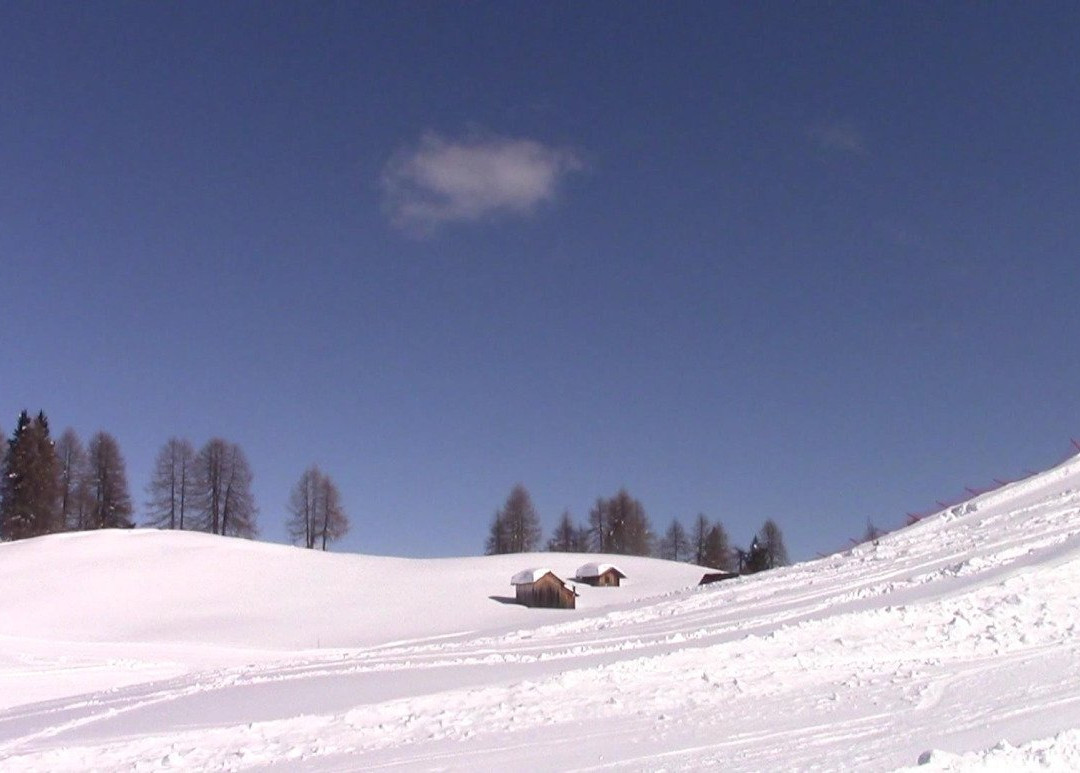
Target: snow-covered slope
955,641
154,586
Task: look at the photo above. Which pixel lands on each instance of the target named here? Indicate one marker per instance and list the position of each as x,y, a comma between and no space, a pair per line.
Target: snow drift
953,642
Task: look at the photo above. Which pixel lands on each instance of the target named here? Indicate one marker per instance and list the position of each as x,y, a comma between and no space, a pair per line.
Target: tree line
620,525
48,487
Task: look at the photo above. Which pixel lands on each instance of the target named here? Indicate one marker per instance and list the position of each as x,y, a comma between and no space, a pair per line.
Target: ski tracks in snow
955,632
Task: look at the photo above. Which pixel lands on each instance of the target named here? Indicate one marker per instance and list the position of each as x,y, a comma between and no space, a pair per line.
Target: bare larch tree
516,528
568,537
620,525
224,500
74,471
772,541
675,546
110,505
718,549
172,486
316,515
699,537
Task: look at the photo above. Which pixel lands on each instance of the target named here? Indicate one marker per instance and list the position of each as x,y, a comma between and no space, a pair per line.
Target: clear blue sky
814,262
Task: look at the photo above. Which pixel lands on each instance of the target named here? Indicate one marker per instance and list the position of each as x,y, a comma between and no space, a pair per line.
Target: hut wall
547,592
608,579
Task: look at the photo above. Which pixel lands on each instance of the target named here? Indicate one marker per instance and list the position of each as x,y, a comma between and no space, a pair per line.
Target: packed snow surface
594,569
526,576
950,645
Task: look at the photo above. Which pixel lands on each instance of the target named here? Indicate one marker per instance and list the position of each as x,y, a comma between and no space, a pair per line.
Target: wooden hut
541,588
710,577
600,575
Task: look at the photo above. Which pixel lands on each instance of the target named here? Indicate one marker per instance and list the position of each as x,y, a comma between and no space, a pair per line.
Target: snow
526,576
594,569
953,643
1061,752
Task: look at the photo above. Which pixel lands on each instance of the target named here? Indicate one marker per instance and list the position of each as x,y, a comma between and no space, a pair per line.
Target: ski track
957,630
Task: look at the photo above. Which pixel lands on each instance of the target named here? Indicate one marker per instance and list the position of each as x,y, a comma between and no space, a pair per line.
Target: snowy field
953,643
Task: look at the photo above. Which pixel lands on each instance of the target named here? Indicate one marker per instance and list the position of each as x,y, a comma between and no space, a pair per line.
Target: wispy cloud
839,137
442,181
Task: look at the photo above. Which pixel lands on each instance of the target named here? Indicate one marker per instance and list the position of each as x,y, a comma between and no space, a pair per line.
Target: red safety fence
912,518
973,491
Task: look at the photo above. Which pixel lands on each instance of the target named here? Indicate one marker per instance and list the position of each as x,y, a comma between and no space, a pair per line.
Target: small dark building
711,577
541,588
600,575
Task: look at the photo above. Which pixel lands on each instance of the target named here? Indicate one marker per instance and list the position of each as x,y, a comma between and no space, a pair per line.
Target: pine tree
172,488
16,508
110,506
675,546
29,491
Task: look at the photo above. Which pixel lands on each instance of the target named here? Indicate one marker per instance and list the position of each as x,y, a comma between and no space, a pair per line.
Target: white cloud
442,181
840,137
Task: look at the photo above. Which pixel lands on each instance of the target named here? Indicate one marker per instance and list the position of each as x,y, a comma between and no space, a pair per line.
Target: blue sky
810,262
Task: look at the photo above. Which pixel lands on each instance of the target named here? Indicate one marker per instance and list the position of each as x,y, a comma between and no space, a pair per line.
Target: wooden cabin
710,577
600,575
541,588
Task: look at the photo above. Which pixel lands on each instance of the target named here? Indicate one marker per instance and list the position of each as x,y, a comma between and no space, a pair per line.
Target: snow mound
1060,752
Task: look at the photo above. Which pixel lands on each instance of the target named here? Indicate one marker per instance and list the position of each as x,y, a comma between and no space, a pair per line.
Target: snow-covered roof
529,575
594,569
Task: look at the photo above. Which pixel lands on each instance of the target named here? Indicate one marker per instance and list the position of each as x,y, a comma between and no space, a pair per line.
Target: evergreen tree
16,513
717,549
172,488
110,506
675,546
872,533
29,491
772,541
